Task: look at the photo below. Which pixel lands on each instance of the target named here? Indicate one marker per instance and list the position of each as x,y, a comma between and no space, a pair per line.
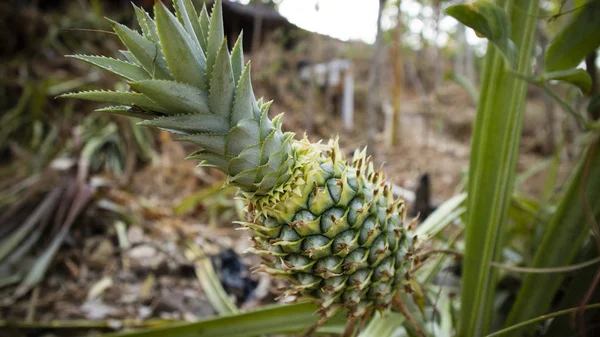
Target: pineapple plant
329,226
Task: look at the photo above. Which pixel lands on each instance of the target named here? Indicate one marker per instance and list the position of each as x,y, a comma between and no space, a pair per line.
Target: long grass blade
539,319
276,319
563,237
210,281
494,151
9,244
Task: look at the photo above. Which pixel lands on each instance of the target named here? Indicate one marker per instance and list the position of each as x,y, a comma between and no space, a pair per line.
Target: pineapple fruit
329,226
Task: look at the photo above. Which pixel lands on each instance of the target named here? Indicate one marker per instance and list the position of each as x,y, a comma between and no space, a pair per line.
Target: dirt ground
96,278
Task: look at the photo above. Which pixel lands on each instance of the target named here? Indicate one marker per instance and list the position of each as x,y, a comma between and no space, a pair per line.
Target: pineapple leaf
266,125
220,99
241,136
271,145
146,52
129,57
119,97
122,68
237,58
127,111
178,98
186,13
190,123
204,21
244,178
244,97
215,36
146,24
275,160
246,160
183,56
213,142
208,159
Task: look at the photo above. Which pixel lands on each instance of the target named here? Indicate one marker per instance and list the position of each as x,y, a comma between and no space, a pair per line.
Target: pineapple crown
184,80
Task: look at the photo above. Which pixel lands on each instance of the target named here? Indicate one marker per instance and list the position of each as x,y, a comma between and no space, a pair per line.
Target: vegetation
527,266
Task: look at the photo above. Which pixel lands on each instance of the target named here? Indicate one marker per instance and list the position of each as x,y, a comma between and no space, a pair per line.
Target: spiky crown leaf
185,81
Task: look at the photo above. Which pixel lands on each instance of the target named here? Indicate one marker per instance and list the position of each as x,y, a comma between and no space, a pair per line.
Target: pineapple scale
334,231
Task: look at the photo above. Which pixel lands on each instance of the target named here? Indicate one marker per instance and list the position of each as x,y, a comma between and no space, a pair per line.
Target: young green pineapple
329,226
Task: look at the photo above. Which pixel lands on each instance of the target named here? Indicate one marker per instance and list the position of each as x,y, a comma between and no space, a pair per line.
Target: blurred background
101,220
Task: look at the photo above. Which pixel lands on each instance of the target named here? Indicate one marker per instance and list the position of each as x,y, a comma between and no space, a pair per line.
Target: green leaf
244,134
190,123
220,98
577,77
204,21
208,159
383,325
576,40
118,97
213,142
186,13
237,58
146,24
562,239
39,268
206,274
127,111
248,159
185,59
593,104
490,21
492,169
215,36
129,57
447,212
574,293
124,69
244,98
276,319
177,98
146,52
44,209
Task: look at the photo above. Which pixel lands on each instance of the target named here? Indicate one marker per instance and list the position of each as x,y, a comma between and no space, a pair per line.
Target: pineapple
329,226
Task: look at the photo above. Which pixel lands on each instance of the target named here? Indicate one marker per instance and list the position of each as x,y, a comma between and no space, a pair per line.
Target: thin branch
397,302
564,269
542,318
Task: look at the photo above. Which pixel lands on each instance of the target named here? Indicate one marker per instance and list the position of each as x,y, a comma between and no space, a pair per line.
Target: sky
357,19
342,19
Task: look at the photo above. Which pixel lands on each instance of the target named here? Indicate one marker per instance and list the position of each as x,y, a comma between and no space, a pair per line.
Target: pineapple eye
307,279
327,167
379,290
352,296
316,246
345,242
335,282
351,178
297,260
360,278
329,218
288,234
358,255
304,215
335,189
385,270
315,241
356,208
331,263
379,249
270,223
368,231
